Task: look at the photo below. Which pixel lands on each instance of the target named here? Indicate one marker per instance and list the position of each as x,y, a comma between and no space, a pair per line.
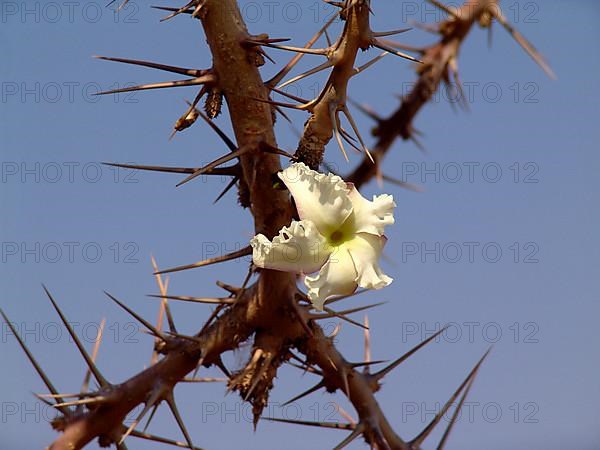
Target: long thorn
304,365
327,38
462,98
302,107
383,44
288,119
319,68
444,8
383,372
368,64
417,441
457,411
78,395
308,51
524,43
344,376
357,432
43,400
228,142
227,171
83,401
209,300
379,439
302,319
342,412
342,317
390,33
290,65
210,319
199,7
368,363
333,425
425,27
154,398
229,256
418,143
122,5
366,110
90,363
288,95
162,287
342,5
346,111
183,9
212,165
267,148
343,297
162,85
231,184
305,368
204,380
88,373
346,311
336,128
162,440
152,168
164,308
173,69
143,321
315,388
403,184
151,416
35,364
173,406
171,9
219,363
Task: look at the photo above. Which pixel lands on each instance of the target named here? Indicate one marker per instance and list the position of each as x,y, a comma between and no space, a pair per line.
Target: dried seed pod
258,59
187,120
213,103
485,19
243,194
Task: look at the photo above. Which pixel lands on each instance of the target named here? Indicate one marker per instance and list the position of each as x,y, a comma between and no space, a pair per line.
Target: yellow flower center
343,233
336,237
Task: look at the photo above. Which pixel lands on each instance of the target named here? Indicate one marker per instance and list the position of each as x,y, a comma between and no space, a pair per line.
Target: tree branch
439,65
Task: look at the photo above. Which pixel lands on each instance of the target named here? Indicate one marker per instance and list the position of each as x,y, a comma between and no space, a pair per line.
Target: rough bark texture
266,308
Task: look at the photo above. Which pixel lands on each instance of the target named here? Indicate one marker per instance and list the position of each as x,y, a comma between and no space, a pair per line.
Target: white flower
340,234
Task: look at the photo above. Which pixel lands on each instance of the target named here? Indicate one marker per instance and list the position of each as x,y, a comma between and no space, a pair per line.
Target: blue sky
500,243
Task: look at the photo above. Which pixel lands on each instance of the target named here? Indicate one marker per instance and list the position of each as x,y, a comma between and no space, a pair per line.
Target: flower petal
298,248
371,216
320,198
366,249
336,277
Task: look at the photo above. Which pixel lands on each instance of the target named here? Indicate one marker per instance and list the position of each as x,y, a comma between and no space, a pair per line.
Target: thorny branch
272,310
439,65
